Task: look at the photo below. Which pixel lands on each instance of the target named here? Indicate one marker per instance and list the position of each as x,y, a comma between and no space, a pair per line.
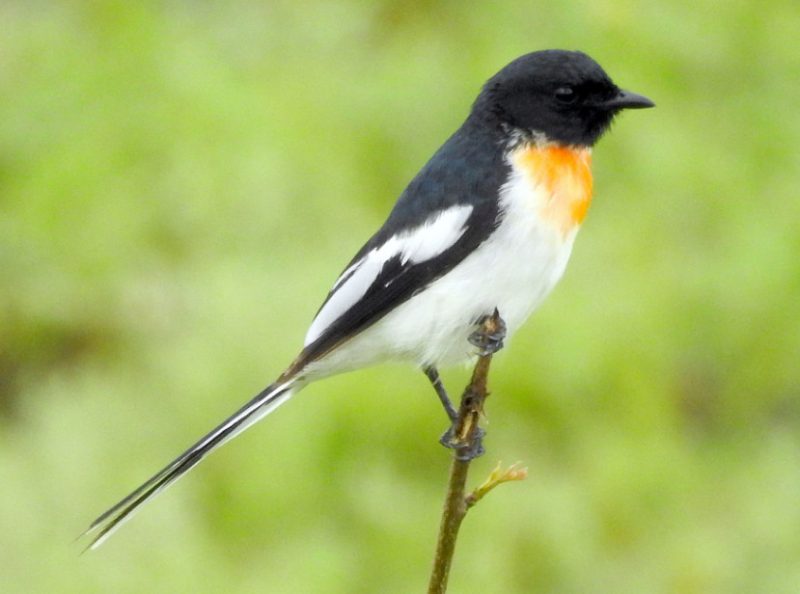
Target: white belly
513,270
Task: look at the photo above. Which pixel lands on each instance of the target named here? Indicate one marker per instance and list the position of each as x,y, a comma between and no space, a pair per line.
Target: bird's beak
628,100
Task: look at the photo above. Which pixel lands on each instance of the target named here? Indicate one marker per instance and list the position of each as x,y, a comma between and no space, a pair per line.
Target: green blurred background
181,182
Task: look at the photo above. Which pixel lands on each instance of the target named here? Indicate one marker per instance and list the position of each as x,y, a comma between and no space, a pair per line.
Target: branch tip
498,476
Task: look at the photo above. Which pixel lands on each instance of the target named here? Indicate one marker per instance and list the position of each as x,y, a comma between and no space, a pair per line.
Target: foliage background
181,182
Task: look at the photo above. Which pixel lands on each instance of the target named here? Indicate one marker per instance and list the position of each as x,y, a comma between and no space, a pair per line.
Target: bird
486,226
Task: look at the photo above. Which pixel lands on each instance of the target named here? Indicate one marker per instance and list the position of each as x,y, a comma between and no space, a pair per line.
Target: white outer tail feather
252,412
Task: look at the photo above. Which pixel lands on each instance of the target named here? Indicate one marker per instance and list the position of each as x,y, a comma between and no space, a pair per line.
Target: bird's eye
566,95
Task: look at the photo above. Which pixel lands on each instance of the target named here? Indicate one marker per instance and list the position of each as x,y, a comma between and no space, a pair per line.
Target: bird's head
561,96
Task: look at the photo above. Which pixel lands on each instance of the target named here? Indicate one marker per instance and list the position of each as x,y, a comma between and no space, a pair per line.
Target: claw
490,334
465,450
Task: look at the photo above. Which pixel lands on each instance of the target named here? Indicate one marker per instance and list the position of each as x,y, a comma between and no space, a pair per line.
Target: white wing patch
433,237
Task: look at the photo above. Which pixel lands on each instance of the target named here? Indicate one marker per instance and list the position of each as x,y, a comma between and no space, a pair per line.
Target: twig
465,439
497,477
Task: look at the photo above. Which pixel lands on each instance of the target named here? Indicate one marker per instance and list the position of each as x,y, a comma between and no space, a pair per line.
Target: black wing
469,169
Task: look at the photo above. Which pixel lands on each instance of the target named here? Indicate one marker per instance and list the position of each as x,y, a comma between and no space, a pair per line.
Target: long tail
256,409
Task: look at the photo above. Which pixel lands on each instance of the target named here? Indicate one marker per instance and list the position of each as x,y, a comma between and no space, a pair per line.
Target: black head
565,96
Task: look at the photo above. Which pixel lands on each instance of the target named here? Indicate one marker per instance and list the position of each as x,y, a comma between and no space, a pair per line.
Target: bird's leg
441,392
464,435
448,439
490,334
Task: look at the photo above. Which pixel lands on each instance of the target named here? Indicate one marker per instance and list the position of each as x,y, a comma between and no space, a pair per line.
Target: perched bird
487,224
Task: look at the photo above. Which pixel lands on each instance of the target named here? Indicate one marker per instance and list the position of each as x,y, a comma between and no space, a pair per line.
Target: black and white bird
487,224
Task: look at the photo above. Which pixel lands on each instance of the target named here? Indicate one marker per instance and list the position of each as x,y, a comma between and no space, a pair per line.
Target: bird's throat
563,175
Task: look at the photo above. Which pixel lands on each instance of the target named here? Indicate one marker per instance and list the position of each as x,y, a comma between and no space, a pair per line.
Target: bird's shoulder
467,170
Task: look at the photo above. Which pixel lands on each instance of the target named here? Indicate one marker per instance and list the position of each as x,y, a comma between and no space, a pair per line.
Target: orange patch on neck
566,176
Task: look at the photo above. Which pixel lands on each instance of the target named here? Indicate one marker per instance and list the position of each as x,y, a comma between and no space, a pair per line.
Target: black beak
628,100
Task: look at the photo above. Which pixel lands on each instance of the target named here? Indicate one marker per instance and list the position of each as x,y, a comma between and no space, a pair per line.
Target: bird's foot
466,449
490,334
